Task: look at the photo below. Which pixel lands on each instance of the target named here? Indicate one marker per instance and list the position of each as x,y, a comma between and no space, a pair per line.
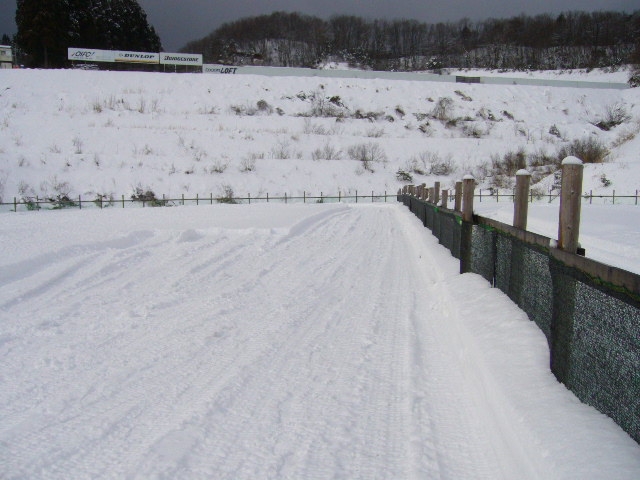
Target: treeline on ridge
569,40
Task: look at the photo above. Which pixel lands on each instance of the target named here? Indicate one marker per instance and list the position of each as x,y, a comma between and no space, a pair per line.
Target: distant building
6,58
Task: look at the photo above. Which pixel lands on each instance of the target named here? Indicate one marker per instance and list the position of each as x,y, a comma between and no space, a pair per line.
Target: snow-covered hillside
96,133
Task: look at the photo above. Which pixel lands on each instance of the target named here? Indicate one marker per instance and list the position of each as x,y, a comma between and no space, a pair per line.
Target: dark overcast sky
179,21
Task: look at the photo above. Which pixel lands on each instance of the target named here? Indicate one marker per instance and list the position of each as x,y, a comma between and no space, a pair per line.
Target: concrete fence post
570,200
521,204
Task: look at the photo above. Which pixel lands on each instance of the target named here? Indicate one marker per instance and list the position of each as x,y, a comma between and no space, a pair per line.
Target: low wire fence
487,195
497,195
588,311
142,201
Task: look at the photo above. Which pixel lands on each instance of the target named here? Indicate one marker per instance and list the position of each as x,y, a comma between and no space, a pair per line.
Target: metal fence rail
497,195
493,195
35,204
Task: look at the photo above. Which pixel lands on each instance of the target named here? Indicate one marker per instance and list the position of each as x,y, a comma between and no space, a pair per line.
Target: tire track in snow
264,421
332,349
111,400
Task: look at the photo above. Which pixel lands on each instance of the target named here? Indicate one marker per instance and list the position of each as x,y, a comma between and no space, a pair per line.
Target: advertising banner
90,55
224,69
181,59
136,57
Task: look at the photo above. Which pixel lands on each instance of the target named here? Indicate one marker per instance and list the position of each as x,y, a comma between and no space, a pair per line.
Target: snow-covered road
272,341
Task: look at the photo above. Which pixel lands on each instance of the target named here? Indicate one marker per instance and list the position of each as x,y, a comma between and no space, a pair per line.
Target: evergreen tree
46,28
43,31
122,25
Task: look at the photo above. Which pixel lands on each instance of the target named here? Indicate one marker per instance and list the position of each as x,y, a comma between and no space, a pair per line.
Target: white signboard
136,57
224,69
5,54
90,55
181,58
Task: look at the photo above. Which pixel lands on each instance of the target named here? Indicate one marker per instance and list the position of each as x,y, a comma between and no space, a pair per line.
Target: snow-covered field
95,133
283,341
273,341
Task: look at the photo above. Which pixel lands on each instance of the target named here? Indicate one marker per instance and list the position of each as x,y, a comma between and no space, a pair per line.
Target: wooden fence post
570,200
466,232
520,210
436,193
521,204
468,187
458,197
445,198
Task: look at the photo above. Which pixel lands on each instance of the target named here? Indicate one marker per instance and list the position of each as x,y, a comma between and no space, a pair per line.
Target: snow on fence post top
572,161
570,201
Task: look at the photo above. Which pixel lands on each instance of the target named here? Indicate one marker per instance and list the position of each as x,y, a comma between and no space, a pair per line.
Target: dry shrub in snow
375,132
248,164
327,152
218,166
588,149
323,106
614,115
264,107
226,194
431,163
311,128
443,109
510,162
367,153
